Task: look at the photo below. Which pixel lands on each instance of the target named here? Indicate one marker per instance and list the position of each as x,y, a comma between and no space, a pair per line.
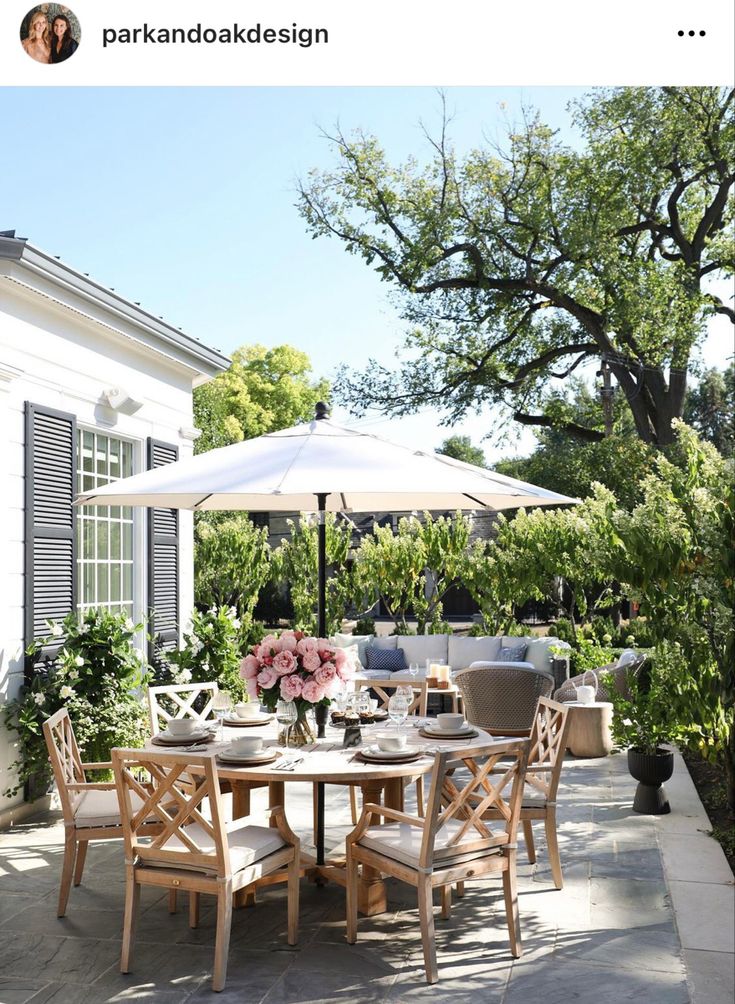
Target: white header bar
388,42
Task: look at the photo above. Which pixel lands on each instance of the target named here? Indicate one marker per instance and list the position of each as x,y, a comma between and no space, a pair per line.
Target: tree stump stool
589,729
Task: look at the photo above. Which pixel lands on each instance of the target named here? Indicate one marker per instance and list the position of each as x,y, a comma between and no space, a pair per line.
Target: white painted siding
56,356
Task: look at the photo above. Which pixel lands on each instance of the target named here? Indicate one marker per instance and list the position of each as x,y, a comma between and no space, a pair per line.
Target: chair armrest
105,765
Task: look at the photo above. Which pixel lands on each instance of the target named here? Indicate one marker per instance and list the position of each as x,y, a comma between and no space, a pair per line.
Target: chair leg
351,878
420,795
67,871
353,804
460,889
193,909
81,858
553,846
446,902
222,937
172,901
510,893
314,803
130,917
293,900
426,920
528,837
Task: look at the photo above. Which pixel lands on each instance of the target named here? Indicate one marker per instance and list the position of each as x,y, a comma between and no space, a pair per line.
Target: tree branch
579,431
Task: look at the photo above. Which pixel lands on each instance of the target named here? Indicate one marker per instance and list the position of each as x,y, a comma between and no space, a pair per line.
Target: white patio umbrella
318,467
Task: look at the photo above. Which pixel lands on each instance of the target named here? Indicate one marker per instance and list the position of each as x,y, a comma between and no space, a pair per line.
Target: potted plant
644,723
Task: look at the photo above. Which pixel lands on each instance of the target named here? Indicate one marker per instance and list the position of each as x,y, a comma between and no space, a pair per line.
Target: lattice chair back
384,690
187,839
66,761
165,703
548,742
454,825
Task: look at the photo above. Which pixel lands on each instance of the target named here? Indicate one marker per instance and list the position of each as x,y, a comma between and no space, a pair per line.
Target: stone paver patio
645,915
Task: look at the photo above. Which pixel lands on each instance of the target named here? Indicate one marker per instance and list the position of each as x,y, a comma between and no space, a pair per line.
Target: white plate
436,733
406,756
192,737
375,751
236,722
266,754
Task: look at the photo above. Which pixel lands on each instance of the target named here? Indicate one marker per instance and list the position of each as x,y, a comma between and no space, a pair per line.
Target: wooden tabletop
326,760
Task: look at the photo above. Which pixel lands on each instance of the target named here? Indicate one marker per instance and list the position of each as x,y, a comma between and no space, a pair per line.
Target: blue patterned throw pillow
391,659
512,653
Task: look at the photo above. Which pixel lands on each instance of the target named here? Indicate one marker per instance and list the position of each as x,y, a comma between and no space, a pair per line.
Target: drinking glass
398,709
413,670
286,715
221,705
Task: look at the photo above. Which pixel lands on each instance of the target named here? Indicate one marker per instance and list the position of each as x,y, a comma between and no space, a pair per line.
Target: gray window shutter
50,538
163,564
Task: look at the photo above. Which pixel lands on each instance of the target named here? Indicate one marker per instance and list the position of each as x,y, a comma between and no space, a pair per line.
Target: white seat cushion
403,842
100,808
463,652
247,845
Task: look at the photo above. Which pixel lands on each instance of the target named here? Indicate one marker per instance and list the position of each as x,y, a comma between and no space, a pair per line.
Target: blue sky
183,199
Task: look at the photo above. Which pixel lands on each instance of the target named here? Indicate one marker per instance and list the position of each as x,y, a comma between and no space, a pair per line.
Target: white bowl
389,742
450,721
249,710
182,726
246,744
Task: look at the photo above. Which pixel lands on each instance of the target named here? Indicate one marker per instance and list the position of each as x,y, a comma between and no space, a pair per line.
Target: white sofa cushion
419,648
403,842
248,844
537,651
348,640
502,664
464,651
390,641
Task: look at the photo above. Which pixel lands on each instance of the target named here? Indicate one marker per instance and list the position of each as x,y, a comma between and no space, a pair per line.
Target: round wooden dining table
327,762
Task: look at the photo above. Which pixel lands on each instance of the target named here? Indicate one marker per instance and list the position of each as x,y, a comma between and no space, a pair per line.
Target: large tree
710,408
262,391
517,265
462,448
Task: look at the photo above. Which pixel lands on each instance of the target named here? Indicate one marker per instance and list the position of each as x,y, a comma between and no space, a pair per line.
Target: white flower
73,674
83,628
197,647
205,667
607,638
79,660
184,676
235,623
56,629
39,699
66,692
129,624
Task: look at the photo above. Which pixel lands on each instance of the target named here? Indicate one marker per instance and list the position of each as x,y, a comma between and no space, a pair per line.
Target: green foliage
648,718
515,266
412,569
97,675
439,627
232,563
364,625
589,654
710,408
461,448
211,651
262,391
295,563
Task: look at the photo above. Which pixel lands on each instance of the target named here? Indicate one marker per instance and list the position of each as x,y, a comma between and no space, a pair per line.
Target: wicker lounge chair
502,699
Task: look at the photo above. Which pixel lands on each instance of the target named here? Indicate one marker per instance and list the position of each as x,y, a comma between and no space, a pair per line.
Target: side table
589,732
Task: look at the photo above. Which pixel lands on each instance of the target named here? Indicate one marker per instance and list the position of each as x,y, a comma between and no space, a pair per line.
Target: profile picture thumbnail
50,33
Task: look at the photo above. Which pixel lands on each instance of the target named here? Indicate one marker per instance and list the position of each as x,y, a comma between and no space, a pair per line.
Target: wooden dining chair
545,761
191,851
452,843
89,808
384,690
178,701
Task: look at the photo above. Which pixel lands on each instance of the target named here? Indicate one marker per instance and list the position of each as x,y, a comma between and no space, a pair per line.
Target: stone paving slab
610,935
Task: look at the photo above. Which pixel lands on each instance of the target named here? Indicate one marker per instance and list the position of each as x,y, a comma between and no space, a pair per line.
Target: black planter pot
651,770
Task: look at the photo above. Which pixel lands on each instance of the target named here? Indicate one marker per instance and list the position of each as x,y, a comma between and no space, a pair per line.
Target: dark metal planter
651,770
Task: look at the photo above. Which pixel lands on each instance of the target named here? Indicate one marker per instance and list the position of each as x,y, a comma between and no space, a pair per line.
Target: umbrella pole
321,711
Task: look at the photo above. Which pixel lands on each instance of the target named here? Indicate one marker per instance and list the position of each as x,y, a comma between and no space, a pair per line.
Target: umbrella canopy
288,470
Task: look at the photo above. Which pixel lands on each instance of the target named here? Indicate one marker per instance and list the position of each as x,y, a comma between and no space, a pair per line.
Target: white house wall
53,356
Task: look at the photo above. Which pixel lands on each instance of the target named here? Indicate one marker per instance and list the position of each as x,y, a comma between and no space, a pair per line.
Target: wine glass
286,715
413,670
221,705
398,709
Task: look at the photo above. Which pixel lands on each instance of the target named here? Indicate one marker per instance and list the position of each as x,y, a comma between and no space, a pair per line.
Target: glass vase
303,731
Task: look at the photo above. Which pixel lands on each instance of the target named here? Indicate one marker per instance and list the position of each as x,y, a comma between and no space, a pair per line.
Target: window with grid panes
104,533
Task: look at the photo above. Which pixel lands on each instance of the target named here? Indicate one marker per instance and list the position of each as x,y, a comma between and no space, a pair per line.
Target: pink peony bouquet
295,667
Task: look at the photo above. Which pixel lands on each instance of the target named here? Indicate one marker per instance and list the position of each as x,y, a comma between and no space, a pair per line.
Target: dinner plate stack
236,722
372,754
165,738
434,732
267,755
